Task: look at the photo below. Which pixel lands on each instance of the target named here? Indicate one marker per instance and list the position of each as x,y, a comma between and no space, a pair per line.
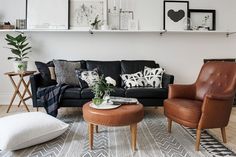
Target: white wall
180,54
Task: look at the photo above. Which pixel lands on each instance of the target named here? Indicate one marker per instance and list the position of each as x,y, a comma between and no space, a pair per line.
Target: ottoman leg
91,127
133,128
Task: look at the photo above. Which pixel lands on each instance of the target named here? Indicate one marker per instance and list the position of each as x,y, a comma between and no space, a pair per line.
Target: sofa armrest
181,91
35,82
167,79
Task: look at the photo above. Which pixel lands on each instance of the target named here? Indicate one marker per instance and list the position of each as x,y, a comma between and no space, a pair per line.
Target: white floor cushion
28,129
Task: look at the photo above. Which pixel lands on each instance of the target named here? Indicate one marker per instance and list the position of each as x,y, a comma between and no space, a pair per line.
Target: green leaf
24,57
28,48
16,52
12,44
19,38
23,46
16,58
10,37
10,41
24,54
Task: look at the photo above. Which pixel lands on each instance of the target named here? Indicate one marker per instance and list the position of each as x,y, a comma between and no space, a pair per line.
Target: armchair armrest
167,79
225,96
216,110
181,91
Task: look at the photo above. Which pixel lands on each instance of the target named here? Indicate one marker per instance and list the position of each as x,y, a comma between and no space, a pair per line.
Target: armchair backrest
216,77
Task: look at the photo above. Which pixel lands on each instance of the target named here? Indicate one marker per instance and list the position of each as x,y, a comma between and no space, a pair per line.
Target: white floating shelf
196,31
120,31
74,30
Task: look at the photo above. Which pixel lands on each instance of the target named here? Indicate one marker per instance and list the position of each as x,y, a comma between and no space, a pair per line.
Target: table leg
96,128
16,92
91,128
133,128
26,90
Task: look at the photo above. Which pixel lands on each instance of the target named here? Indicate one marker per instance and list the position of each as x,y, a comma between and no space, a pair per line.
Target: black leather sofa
76,97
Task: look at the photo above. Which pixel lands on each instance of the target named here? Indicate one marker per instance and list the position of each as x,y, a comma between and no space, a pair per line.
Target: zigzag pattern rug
153,140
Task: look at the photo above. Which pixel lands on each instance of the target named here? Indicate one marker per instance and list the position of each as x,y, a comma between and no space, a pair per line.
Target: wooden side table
16,86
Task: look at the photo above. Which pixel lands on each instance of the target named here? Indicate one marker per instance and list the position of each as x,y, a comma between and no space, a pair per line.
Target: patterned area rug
152,141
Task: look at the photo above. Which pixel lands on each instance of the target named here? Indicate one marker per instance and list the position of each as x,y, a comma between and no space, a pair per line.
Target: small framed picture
202,19
125,18
175,15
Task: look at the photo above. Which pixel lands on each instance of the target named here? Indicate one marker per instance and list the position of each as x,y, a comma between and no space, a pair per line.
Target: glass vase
106,96
97,101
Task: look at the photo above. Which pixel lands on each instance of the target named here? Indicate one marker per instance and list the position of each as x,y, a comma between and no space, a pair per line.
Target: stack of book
123,100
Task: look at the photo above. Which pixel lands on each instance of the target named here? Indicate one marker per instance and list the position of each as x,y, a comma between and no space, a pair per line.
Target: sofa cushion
129,67
87,78
153,76
134,80
107,68
65,72
88,94
72,93
44,70
147,92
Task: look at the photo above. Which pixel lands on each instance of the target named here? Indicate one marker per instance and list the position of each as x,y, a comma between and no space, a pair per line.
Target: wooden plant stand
16,86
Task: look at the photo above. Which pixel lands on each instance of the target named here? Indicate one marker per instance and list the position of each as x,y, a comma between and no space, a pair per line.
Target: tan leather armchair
205,104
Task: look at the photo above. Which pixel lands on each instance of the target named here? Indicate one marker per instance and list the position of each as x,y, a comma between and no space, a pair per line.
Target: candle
120,4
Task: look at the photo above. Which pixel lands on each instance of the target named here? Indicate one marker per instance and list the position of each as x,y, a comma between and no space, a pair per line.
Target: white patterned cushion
153,76
134,80
87,78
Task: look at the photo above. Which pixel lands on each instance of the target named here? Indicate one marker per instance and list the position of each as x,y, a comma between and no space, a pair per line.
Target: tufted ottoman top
121,116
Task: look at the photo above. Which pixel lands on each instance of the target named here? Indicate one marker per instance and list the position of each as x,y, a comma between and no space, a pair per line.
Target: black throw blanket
50,97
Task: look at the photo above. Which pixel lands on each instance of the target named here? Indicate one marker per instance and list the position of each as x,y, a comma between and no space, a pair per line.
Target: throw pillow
28,129
87,78
134,80
65,72
46,73
153,76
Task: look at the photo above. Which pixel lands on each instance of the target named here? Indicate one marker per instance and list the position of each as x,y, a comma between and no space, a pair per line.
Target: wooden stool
21,75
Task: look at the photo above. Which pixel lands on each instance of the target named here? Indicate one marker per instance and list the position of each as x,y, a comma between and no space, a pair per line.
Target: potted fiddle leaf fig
20,48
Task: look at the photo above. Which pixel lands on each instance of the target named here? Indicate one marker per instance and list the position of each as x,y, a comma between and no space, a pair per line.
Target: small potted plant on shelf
20,49
102,89
95,24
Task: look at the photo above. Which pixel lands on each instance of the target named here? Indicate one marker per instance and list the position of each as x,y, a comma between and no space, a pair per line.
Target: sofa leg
223,133
198,138
169,125
37,109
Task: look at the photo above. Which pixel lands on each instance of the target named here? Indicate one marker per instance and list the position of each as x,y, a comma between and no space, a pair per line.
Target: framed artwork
84,12
175,15
125,17
47,14
202,19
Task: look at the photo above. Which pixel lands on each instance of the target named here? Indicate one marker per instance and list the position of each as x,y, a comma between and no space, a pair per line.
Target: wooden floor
230,130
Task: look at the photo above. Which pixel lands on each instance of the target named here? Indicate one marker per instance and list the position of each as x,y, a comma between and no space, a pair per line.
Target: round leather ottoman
121,116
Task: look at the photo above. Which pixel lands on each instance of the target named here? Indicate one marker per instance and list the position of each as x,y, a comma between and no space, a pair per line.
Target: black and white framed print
175,15
202,19
84,12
